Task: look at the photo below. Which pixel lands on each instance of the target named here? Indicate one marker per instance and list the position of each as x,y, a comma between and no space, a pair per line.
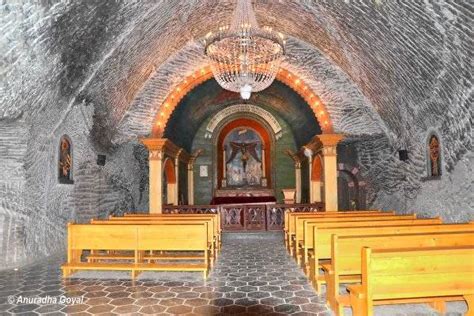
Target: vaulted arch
203,74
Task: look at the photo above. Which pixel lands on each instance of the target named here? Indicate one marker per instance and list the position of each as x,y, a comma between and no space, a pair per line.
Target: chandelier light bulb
245,91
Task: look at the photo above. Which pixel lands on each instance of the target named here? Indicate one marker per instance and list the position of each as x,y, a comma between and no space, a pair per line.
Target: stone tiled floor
253,276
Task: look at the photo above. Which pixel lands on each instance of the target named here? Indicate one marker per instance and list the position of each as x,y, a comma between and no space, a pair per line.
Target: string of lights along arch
199,76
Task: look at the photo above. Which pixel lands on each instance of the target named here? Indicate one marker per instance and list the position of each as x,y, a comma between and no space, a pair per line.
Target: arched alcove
317,179
434,160
169,183
65,160
243,126
351,188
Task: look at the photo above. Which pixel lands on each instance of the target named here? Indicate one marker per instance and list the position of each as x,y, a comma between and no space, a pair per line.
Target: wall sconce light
403,154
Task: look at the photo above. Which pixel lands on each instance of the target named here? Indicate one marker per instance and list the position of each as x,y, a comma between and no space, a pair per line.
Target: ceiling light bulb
246,91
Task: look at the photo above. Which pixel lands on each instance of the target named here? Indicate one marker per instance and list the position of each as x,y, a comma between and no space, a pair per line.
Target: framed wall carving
65,161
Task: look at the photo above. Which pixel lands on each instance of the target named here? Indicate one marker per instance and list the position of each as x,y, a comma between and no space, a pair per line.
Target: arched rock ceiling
410,60
350,112
209,98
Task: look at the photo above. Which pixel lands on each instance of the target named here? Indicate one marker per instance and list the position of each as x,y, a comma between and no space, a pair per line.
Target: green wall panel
282,164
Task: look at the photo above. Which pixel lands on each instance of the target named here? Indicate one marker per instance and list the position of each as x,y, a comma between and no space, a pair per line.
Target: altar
243,196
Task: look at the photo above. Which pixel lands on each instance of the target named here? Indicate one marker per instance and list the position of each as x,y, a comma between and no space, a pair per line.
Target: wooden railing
247,217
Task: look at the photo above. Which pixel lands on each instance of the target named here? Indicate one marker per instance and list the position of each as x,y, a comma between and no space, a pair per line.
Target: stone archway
351,189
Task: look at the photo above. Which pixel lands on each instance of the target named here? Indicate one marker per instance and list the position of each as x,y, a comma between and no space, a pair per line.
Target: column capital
330,139
165,146
193,157
154,144
155,155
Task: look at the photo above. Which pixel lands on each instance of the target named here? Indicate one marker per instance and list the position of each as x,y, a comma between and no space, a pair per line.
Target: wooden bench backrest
215,217
346,250
133,236
159,221
294,219
162,214
148,215
322,235
412,273
291,216
111,237
304,225
173,237
212,217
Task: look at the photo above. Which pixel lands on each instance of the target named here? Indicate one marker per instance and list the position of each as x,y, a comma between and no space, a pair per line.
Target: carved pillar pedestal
289,196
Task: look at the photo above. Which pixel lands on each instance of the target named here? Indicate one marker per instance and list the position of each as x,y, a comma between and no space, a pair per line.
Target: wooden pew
345,265
217,217
290,220
214,217
421,274
289,215
137,238
323,233
154,221
299,232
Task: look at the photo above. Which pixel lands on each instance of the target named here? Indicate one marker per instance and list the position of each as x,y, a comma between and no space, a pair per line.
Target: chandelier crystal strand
244,58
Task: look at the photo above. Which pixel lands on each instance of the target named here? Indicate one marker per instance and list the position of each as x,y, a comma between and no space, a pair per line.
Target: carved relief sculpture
65,161
434,157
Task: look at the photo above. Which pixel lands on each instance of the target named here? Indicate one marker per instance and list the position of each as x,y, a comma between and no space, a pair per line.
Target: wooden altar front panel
247,217
243,217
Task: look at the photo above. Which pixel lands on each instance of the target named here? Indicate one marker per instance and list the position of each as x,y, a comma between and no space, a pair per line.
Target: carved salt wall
35,207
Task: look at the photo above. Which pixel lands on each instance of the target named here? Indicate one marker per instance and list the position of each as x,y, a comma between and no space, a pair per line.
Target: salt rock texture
390,72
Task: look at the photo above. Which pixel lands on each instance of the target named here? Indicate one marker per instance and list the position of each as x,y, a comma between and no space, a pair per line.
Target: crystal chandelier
245,58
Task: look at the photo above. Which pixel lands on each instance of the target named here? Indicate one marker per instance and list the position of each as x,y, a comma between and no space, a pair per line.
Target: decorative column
224,168
329,150
298,181
309,154
297,161
155,157
176,172
264,172
158,148
191,162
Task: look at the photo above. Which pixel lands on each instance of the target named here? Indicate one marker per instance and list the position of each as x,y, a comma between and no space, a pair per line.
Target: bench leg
135,274
66,273
331,293
306,268
339,309
359,306
312,274
319,281
470,304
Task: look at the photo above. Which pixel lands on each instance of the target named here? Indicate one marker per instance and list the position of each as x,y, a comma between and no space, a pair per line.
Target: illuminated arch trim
199,76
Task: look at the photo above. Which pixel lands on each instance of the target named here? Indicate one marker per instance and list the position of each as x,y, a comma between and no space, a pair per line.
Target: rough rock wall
406,187
34,207
42,70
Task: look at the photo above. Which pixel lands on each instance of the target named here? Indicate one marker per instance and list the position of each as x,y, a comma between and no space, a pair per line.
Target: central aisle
256,275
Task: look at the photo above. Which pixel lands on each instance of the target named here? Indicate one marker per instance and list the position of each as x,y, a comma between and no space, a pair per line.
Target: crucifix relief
243,150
